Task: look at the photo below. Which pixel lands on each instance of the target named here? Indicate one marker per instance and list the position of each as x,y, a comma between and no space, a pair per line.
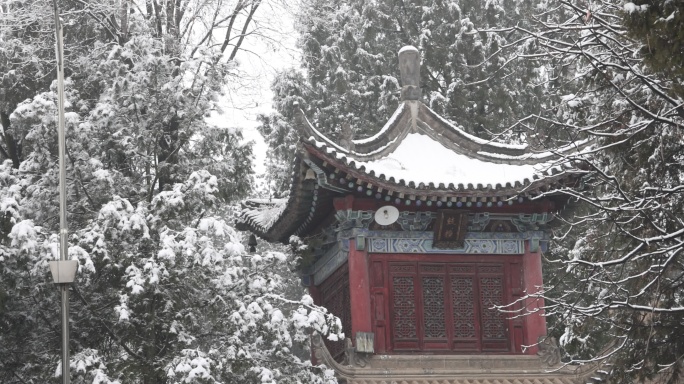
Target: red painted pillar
535,323
315,294
359,290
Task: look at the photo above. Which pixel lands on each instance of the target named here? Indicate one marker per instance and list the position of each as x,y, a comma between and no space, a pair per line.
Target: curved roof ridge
308,132
378,145
473,138
392,123
415,116
486,150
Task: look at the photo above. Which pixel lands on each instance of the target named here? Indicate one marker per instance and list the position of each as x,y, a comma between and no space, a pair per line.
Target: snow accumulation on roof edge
324,137
421,159
473,137
265,216
395,116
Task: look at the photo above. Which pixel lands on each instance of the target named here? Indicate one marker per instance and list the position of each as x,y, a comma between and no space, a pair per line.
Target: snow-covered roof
417,158
262,213
421,159
418,147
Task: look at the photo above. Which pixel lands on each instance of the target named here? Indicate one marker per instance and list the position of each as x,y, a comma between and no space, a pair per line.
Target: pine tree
615,293
657,25
165,291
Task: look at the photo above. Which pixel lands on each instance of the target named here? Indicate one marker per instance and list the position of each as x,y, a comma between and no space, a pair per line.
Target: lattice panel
463,306
432,268
462,269
335,297
402,268
433,307
447,306
404,300
493,321
491,269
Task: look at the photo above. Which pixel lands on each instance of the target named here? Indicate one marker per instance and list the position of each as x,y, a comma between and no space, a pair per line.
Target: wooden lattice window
462,307
335,297
444,306
404,307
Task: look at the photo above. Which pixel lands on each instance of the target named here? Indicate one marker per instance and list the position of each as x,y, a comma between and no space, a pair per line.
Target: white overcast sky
259,61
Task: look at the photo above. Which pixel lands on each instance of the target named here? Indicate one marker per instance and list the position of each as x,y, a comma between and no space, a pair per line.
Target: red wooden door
444,304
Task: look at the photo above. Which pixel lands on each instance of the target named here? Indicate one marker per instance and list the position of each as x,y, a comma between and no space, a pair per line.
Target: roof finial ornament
346,135
300,123
409,67
298,115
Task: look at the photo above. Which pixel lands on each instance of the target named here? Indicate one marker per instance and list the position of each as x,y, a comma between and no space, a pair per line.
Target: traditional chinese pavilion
418,236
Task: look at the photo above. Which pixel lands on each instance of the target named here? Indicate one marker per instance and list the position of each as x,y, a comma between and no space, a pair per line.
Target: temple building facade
427,243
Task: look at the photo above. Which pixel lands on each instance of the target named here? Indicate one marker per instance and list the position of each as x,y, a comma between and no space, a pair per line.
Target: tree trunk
168,154
12,148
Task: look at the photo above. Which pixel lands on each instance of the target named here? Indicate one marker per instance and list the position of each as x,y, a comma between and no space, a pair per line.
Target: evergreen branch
99,21
80,179
106,326
150,193
14,373
3,152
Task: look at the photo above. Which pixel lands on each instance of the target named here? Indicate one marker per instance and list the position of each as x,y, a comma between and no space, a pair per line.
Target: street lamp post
64,270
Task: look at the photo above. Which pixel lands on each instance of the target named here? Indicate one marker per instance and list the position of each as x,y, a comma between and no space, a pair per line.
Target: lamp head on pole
63,271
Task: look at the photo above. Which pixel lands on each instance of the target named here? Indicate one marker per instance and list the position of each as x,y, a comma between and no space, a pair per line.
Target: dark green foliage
615,275
657,24
164,283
